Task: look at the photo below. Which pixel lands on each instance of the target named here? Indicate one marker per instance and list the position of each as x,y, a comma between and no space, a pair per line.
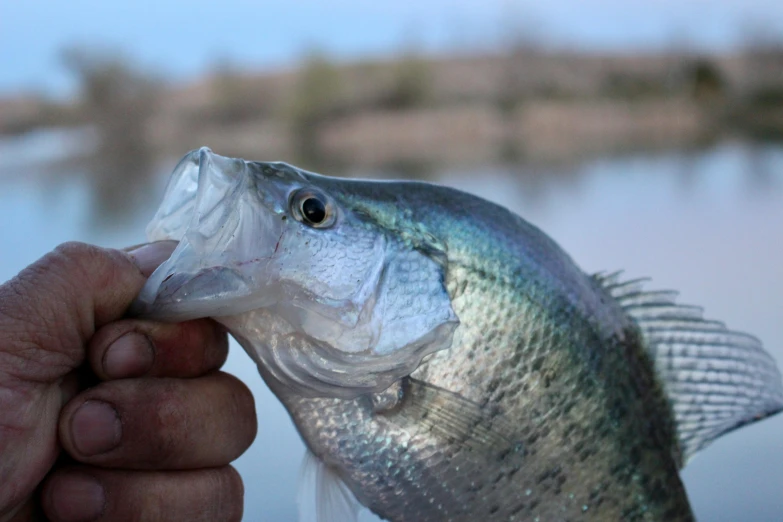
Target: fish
442,358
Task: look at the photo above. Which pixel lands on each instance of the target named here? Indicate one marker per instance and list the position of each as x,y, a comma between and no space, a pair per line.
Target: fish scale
469,370
559,421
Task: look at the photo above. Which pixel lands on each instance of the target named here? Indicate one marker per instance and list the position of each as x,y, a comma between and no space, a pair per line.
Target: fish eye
312,208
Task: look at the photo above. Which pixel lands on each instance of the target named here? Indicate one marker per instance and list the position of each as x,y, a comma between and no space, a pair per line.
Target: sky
180,40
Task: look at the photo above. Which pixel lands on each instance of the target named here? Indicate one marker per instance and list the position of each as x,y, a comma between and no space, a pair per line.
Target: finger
92,494
47,314
160,423
135,348
50,310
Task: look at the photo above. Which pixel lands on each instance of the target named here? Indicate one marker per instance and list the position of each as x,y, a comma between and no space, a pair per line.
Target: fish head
328,298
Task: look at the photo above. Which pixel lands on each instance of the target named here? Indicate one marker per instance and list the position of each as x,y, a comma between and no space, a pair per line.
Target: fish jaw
181,293
227,228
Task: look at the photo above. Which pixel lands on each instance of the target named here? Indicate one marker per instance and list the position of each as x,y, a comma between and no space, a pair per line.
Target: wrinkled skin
107,418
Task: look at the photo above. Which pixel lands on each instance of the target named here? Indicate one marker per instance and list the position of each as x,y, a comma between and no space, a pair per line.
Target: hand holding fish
152,436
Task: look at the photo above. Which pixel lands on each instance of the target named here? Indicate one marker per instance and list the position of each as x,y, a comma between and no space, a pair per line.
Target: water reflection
122,167
763,167
119,102
117,188
119,181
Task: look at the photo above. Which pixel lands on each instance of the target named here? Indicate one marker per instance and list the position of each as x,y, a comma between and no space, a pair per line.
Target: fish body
541,344
442,358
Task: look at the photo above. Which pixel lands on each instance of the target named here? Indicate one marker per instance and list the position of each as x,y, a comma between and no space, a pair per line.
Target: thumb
51,309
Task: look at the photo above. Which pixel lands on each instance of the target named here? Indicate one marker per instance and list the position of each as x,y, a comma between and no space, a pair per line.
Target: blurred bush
118,101
411,86
315,99
115,97
238,97
522,100
705,80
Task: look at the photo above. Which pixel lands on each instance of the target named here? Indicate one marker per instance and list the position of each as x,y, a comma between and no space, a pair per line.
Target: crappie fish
442,358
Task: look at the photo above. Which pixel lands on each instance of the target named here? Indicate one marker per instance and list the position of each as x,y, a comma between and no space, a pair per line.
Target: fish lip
192,295
201,209
207,283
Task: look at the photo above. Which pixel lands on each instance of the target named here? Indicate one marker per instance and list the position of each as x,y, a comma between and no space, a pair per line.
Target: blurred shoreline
524,104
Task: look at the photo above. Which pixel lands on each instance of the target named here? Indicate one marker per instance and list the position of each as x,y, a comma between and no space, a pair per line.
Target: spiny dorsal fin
716,379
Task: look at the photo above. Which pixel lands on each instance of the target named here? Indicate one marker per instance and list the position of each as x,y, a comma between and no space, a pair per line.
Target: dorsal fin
716,379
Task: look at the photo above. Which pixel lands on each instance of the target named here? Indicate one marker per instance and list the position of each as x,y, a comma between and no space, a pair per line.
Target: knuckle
228,481
36,308
247,411
76,251
171,424
243,402
239,410
244,398
91,262
189,347
74,258
190,424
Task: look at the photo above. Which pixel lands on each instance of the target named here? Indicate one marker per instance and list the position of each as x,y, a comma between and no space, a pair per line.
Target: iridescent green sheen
540,344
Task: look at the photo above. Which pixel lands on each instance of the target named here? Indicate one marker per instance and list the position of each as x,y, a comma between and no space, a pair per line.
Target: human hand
152,439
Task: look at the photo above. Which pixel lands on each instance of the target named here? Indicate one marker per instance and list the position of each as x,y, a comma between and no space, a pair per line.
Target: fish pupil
314,210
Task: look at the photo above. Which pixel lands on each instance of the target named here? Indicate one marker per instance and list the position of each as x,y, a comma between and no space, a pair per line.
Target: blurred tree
635,86
760,111
238,96
768,97
762,57
412,83
511,91
118,101
521,45
228,93
705,80
315,99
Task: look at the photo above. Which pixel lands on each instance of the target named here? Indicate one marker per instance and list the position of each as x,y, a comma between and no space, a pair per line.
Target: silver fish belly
442,358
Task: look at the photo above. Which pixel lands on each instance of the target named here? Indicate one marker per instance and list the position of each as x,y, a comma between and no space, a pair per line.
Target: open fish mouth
328,302
183,296
227,231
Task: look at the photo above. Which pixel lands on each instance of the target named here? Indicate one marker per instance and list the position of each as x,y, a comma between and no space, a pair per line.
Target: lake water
708,223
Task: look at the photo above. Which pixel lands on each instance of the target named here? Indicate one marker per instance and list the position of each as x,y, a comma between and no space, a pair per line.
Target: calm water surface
707,223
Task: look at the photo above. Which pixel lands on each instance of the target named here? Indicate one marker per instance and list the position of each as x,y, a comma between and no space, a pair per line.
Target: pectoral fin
479,430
